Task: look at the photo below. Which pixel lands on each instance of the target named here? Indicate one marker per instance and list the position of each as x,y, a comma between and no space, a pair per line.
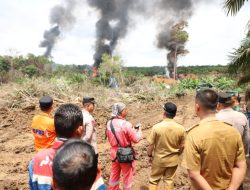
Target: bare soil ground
16,141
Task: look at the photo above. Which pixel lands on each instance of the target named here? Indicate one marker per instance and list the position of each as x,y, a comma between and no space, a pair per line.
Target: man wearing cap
213,155
237,119
126,135
68,125
89,122
43,128
166,144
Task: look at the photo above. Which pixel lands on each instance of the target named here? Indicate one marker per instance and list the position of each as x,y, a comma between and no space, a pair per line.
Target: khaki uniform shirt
167,137
212,147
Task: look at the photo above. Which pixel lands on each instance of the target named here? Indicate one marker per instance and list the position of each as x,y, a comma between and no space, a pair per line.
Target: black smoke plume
113,24
117,15
172,16
61,19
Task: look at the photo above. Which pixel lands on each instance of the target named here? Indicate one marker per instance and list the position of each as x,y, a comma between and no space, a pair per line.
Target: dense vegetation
19,69
31,65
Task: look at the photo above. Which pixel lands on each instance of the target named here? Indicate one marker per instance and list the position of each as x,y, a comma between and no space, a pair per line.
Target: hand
138,129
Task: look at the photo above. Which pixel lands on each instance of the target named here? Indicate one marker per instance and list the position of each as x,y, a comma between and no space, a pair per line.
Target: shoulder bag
124,154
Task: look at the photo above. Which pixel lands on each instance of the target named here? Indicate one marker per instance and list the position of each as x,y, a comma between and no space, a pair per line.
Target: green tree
30,70
240,61
39,61
19,62
179,37
5,66
240,58
111,66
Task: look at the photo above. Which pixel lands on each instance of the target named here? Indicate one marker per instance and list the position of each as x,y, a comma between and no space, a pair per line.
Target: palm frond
244,79
233,6
240,59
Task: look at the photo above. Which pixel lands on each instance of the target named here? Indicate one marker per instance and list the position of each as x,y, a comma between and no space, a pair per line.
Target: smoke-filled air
61,19
115,18
113,24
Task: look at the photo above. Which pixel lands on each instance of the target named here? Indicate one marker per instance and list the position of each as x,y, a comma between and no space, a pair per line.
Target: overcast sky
212,35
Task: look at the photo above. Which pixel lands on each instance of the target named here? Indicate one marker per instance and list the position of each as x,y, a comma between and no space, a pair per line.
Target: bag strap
113,131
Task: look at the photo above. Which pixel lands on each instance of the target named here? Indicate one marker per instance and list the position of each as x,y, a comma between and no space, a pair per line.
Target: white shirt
90,129
239,121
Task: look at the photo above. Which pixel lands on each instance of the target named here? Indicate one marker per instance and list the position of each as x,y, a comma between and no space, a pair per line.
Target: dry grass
29,91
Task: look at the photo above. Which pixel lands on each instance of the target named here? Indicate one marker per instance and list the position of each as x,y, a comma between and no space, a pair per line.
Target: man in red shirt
68,125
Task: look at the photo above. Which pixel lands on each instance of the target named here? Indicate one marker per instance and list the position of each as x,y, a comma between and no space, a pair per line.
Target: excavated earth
17,148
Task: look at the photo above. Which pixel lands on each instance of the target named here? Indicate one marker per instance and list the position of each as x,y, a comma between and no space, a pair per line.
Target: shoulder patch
178,123
227,123
190,128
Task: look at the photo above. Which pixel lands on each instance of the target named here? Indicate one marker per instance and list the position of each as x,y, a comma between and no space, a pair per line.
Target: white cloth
239,121
90,129
117,108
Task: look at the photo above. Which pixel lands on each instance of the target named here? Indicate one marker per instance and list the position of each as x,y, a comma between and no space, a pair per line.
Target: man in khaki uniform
214,154
166,144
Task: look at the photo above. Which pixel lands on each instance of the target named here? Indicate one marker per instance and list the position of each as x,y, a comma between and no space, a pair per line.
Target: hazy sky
212,34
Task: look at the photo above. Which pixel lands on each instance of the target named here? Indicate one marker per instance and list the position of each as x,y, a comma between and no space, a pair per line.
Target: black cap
170,109
86,100
224,98
46,101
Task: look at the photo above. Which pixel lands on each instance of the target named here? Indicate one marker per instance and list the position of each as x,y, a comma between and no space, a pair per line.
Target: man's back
90,129
43,130
215,147
237,119
167,137
40,170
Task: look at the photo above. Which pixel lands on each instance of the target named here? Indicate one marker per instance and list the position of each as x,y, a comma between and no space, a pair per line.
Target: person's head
170,110
236,102
74,166
46,104
224,101
89,104
119,109
206,102
68,121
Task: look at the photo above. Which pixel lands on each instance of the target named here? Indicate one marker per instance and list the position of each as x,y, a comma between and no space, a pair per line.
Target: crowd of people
214,151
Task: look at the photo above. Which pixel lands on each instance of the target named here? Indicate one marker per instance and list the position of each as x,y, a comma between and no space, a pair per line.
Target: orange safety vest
43,130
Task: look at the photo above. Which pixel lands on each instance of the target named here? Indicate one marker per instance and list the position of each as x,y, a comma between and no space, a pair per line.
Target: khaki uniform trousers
167,173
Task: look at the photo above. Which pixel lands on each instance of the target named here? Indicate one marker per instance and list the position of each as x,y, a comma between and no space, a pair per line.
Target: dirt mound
16,141
164,80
